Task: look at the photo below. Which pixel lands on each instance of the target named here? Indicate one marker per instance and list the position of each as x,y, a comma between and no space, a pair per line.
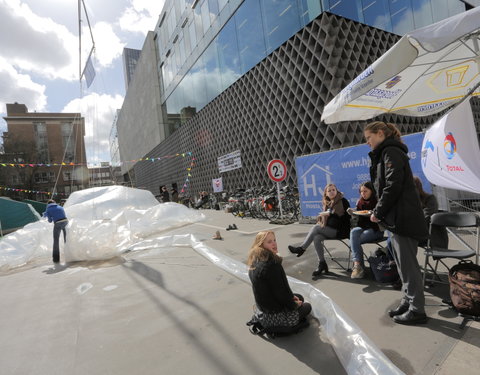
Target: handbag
383,270
464,279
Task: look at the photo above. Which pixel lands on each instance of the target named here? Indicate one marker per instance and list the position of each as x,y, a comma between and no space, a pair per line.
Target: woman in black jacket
333,222
273,296
399,211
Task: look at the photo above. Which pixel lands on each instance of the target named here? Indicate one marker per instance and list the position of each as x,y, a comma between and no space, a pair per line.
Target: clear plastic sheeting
103,223
136,224
357,353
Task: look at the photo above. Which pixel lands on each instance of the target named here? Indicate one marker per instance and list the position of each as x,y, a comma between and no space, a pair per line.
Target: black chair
450,220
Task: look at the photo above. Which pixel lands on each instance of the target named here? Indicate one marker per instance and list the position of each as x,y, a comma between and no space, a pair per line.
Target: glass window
309,10
197,16
213,6
41,142
192,34
251,39
228,56
282,20
68,141
212,71
376,13
440,10
197,76
221,4
422,13
455,7
205,16
346,9
402,16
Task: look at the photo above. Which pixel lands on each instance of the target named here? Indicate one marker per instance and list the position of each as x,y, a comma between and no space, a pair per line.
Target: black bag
464,279
383,270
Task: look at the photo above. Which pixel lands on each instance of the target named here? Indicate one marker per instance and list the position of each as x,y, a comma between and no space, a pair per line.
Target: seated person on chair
273,296
439,235
334,222
366,231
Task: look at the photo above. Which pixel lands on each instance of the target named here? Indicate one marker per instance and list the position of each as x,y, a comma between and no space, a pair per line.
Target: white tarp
450,152
132,229
427,71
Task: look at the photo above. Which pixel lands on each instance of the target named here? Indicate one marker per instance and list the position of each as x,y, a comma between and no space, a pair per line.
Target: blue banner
347,168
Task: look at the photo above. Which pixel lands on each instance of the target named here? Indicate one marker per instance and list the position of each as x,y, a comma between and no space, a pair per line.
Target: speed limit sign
277,170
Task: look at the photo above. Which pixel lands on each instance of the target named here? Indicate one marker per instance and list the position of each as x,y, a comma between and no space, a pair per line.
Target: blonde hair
388,129
326,200
258,253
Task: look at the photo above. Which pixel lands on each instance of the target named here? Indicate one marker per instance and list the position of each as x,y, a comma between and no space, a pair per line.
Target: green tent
40,207
15,215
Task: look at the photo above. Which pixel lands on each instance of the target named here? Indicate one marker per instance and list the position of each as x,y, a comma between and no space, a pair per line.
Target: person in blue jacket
56,214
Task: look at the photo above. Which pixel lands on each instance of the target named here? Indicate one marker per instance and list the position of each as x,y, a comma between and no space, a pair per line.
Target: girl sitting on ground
273,296
365,231
334,222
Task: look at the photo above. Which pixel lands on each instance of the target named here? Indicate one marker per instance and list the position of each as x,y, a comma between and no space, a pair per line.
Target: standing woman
334,222
273,296
398,210
365,231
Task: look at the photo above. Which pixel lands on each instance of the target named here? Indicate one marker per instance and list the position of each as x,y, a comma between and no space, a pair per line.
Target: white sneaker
358,272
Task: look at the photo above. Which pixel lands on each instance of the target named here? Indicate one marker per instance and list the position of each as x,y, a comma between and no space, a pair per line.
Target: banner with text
229,162
347,168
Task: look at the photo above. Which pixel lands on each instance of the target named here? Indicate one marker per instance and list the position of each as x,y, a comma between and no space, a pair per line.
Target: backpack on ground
464,279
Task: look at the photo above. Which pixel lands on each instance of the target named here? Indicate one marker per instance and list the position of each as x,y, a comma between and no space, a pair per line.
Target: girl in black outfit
365,231
273,296
398,210
334,222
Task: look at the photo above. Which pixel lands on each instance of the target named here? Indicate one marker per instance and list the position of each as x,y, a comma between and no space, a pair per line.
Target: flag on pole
450,151
89,71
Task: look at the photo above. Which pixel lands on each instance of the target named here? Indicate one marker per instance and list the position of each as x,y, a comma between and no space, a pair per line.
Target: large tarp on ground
40,207
107,222
14,214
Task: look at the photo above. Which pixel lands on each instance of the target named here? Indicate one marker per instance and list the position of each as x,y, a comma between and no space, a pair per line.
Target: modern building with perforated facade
254,75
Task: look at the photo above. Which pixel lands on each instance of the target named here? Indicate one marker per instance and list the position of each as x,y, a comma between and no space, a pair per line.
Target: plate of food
362,213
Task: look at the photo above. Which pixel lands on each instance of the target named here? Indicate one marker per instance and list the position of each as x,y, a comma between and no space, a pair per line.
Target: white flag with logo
450,152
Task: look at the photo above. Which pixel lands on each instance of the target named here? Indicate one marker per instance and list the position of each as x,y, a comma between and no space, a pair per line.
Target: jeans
58,227
359,236
317,234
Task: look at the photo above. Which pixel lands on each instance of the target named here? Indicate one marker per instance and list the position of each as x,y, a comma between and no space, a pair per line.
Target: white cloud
108,45
15,85
142,16
36,44
99,112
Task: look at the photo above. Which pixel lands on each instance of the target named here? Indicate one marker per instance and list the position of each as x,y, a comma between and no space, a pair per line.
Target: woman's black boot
296,250
322,266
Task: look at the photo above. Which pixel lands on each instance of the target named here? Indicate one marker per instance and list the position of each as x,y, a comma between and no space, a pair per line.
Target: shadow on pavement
308,348
156,277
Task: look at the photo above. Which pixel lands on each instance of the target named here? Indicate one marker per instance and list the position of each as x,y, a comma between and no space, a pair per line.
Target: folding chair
450,220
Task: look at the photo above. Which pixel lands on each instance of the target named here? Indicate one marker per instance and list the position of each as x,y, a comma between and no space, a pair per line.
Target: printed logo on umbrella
450,146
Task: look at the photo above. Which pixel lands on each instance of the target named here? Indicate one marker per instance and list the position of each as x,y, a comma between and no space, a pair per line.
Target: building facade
34,143
253,77
130,58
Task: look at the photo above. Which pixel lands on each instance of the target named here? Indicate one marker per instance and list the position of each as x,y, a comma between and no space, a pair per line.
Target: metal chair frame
450,220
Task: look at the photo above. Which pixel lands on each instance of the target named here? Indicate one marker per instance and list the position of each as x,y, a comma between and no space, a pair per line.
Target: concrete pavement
174,312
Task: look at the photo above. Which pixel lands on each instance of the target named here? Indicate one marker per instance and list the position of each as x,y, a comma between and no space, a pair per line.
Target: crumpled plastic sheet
103,222
357,353
106,222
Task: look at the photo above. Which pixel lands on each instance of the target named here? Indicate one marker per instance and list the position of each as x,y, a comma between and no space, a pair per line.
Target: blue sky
39,63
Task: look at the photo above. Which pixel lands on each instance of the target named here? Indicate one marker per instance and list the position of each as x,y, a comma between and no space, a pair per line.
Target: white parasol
426,71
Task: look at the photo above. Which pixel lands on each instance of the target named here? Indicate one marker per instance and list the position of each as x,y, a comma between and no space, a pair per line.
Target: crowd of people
392,205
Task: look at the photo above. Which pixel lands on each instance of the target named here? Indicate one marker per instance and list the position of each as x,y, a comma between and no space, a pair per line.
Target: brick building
34,143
